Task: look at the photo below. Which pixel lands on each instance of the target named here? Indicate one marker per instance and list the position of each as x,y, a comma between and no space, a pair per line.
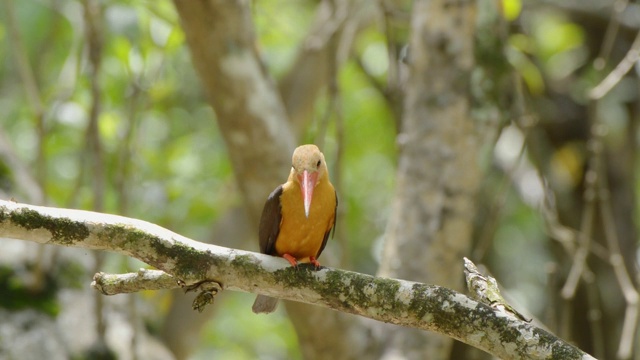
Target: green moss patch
64,231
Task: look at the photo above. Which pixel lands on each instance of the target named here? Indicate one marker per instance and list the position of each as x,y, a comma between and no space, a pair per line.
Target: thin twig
623,277
586,223
121,185
616,259
22,62
629,291
394,87
594,314
35,99
393,77
93,20
614,77
92,15
334,110
610,35
342,210
500,197
125,160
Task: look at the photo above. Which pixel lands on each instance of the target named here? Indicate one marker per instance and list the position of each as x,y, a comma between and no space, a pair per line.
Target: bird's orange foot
315,262
291,260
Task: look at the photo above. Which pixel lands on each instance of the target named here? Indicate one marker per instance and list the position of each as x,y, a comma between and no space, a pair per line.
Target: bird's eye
318,164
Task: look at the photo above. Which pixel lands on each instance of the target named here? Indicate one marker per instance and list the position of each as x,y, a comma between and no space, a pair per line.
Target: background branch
221,40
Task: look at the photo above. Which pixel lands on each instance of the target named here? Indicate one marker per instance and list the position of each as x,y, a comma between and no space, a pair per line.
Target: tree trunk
431,223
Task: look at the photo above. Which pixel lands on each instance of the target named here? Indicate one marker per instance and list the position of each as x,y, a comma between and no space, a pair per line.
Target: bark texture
426,307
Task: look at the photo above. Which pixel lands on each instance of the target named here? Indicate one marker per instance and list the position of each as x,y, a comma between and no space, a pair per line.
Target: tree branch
618,73
427,307
222,43
143,279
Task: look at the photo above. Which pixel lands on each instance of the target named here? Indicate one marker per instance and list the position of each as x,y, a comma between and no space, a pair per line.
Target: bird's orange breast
299,236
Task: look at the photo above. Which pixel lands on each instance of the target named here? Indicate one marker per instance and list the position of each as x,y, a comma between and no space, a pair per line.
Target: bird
298,216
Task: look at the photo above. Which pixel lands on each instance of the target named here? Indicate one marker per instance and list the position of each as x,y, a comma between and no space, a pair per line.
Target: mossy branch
411,304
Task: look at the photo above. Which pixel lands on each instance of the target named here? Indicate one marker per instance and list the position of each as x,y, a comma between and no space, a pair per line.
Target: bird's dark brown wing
270,222
333,228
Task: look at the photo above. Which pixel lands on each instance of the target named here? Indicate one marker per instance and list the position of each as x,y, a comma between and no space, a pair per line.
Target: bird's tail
264,304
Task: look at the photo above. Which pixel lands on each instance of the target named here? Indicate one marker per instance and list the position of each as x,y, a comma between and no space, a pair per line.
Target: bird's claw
291,260
294,262
315,262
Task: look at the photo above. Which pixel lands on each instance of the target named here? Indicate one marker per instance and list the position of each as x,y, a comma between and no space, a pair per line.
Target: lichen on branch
422,306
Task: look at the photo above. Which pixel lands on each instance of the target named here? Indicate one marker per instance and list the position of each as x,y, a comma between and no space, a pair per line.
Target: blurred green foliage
175,162
164,154
18,295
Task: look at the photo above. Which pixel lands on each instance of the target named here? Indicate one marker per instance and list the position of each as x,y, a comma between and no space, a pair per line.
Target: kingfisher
298,215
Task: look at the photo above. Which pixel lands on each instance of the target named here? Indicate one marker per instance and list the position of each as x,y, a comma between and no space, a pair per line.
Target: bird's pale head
308,158
309,168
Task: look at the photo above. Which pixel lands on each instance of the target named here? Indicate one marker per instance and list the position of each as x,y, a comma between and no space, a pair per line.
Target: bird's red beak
307,184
